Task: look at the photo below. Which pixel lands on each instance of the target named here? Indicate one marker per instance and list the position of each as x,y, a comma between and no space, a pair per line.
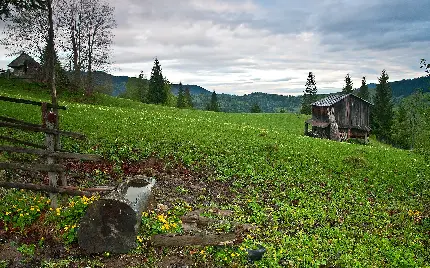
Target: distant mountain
405,87
268,103
115,84
194,89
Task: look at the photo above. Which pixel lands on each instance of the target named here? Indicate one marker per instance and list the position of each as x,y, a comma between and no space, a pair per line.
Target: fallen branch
164,240
94,189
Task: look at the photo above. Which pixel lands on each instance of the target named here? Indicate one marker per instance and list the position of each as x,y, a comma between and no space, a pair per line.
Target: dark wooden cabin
25,66
351,113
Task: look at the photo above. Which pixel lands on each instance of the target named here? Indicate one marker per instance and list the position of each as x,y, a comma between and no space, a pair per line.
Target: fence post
49,120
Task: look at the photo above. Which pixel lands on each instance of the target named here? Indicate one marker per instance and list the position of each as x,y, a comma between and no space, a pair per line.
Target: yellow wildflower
7,213
162,218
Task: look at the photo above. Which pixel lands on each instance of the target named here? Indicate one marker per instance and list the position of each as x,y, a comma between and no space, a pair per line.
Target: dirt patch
175,184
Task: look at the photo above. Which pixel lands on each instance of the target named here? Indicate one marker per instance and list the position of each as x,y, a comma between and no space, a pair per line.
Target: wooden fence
51,151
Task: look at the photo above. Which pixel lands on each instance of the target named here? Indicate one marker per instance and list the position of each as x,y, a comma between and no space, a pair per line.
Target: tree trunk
111,224
90,74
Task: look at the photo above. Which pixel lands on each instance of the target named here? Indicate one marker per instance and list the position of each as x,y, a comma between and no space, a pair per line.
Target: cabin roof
23,59
332,99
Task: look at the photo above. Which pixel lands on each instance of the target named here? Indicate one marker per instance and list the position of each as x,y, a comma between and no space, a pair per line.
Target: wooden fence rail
51,150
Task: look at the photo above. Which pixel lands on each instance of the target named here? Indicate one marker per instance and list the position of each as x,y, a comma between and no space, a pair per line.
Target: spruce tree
213,105
157,93
364,90
309,95
425,66
382,113
348,85
188,99
181,98
255,108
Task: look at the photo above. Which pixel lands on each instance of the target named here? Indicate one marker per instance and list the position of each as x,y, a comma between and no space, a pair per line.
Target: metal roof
332,99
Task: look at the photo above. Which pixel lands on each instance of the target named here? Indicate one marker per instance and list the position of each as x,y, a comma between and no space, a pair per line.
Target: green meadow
314,202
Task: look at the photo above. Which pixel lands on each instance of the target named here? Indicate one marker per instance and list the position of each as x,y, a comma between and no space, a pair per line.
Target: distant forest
268,103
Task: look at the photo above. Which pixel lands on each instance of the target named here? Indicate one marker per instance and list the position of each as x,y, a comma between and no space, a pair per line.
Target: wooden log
44,188
42,129
62,155
111,223
16,141
165,240
94,189
31,167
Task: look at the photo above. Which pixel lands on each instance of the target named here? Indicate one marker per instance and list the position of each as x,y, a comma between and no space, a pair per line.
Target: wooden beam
165,240
16,141
88,157
32,167
44,188
42,129
37,103
17,121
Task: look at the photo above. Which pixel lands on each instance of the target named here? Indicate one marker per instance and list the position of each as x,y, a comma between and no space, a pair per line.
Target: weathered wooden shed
24,66
340,117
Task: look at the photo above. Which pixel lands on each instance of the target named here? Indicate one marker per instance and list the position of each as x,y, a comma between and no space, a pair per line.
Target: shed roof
332,99
23,59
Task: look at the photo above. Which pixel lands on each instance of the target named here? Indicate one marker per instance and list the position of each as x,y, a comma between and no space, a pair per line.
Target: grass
316,202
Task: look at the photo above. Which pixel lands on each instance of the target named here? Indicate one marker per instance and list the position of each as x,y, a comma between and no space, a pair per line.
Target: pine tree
188,99
382,113
213,105
181,98
348,85
364,90
425,66
255,108
157,93
309,95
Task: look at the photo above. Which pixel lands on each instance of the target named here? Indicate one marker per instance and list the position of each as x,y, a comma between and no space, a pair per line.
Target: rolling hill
309,202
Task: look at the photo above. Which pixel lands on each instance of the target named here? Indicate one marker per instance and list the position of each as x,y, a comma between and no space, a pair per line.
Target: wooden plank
44,188
31,167
42,129
16,141
17,121
166,240
37,103
63,155
93,189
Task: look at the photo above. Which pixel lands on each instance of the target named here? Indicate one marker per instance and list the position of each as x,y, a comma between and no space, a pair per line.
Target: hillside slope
314,202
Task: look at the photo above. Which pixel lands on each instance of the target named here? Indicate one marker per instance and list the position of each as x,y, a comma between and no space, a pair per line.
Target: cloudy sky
244,46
